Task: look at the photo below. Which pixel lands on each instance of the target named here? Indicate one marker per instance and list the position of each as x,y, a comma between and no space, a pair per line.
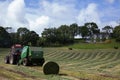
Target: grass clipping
50,68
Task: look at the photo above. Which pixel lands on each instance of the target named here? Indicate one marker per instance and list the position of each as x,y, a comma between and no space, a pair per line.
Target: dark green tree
58,36
93,31
116,33
50,35
14,38
26,36
84,31
23,35
108,30
41,41
74,30
65,34
5,39
93,28
33,38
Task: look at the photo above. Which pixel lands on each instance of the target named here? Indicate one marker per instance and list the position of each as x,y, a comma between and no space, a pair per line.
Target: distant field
76,64
95,45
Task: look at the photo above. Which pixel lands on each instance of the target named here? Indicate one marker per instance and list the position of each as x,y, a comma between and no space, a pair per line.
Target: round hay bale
70,48
51,68
115,47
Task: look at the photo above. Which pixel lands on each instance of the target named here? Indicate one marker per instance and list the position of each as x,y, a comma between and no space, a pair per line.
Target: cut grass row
90,61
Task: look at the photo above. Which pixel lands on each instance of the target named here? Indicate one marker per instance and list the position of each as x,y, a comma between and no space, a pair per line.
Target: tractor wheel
25,62
12,59
6,59
42,62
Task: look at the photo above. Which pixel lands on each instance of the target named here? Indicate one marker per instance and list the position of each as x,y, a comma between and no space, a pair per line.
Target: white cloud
54,16
16,14
54,8
3,18
16,11
39,23
89,14
13,14
60,13
112,23
42,20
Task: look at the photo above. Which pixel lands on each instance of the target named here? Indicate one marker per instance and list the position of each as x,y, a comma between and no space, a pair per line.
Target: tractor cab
16,49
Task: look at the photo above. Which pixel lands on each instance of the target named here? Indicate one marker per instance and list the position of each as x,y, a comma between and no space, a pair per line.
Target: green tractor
25,55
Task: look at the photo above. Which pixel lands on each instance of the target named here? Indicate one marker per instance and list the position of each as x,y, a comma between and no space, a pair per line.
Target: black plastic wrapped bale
50,68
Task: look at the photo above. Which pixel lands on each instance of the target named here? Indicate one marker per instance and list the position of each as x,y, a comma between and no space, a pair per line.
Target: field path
18,72
22,75
25,76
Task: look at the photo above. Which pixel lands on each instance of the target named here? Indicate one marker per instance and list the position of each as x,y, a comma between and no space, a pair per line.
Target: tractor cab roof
17,46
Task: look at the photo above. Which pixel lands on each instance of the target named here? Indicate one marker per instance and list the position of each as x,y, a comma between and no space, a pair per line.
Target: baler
31,56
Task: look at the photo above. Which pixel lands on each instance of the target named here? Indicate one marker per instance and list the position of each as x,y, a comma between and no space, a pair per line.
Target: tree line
23,36
63,35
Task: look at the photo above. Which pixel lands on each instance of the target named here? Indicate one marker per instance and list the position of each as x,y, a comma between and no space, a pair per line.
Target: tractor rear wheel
6,59
42,62
25,62
12,59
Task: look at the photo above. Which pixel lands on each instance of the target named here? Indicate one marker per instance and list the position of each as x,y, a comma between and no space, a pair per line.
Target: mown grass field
76,64
108,44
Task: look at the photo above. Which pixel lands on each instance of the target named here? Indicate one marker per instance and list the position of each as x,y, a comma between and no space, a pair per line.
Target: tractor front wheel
12,59
25,62
6,59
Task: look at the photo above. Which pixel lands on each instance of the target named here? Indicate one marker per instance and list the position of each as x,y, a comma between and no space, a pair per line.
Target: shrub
115,47
118,40
108,41
70,48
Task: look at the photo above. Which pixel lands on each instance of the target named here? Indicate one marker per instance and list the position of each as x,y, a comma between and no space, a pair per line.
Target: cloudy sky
39,14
